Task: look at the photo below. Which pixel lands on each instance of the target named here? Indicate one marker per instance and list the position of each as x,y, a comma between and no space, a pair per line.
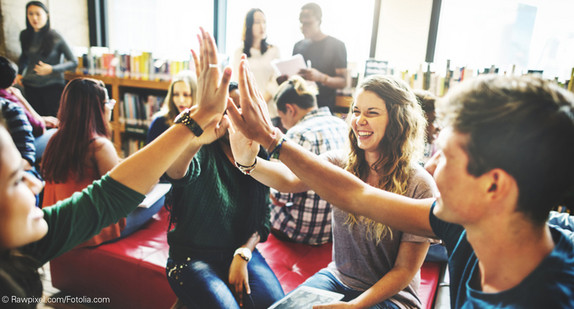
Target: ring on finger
213,65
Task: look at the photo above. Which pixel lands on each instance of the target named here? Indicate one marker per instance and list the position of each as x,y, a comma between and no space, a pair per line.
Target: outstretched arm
330,182
141,170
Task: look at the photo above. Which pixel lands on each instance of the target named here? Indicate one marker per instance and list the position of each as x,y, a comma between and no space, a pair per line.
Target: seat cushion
131,271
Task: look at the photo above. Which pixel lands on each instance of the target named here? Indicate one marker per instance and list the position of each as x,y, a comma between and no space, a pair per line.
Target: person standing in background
327,56
259,56
40,64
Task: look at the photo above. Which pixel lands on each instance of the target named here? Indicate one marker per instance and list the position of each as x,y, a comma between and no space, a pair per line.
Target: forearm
141,170
349,193
392,283
252,241
276,175
179,168
335,82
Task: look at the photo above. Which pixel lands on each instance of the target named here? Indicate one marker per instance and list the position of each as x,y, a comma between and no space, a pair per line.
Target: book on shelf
134,65
136,111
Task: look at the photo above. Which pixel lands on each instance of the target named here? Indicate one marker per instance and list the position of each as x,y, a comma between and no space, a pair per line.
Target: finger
243,86
196,63
223,126
225,80
233,113
203,51
239,293
211,49
247,287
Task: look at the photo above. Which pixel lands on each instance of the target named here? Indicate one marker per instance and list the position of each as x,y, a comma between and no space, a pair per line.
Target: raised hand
244,150
211,92
253,120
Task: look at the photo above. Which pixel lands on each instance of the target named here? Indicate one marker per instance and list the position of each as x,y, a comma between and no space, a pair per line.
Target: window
351,24
529,34
166,28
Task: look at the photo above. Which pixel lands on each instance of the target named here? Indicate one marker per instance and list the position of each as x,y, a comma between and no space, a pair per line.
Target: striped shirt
305,217
20,129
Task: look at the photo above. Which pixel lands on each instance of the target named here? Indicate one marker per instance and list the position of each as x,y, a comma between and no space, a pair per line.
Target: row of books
439,83
140,66
136,111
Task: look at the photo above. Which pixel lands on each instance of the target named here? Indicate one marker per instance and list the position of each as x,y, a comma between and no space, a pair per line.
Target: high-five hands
212,88
253,120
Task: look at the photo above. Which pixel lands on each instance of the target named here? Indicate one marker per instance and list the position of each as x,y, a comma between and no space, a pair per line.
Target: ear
500,186
290,109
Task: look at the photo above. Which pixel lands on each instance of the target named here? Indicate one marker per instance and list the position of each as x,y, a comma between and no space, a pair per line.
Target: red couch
131,271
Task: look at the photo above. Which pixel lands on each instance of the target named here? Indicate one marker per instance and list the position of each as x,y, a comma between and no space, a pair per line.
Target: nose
361,120
33,183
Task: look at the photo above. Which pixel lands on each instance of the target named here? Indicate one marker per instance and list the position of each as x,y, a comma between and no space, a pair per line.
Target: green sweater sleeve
83,215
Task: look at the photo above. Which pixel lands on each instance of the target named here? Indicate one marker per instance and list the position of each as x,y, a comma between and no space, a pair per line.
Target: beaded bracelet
246,170
275,152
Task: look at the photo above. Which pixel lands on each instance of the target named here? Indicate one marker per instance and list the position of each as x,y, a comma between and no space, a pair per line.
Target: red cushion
131,271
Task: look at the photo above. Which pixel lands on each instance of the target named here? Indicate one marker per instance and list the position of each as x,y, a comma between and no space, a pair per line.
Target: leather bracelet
187,121
246,170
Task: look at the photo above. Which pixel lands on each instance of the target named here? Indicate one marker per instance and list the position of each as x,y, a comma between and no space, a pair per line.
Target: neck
509,252
318,36
372,156
256,43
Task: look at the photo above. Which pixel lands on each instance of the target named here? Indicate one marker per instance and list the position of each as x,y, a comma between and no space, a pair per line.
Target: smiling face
369,120
182,96
21,222
37,17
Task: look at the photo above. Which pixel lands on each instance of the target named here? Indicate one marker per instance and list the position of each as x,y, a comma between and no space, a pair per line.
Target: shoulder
421,183
334,41
102,144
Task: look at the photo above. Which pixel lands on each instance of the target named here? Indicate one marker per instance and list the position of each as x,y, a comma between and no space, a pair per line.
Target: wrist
244,253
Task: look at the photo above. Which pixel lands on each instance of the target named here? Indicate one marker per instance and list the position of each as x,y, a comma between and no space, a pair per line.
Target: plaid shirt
20,129
305,217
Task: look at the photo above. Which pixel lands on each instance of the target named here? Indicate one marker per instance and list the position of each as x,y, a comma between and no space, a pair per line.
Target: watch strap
185,119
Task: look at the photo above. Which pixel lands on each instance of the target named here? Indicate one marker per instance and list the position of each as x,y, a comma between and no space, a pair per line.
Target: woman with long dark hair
40,64
259,55
81,151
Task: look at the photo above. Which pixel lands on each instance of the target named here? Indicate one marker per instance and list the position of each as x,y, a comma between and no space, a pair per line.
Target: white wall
68,17
403,32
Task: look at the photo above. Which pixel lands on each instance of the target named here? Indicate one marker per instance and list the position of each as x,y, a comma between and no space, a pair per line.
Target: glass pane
351,24
166,28
526,34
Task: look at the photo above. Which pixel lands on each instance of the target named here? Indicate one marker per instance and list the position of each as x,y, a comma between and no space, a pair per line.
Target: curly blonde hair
400,148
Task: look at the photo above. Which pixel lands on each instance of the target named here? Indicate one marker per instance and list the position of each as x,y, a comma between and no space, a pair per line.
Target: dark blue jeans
325,280
202,281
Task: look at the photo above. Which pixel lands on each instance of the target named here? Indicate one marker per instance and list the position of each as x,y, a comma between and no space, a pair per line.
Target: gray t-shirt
358,261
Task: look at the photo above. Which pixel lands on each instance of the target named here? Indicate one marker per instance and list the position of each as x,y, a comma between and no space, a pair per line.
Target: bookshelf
118,87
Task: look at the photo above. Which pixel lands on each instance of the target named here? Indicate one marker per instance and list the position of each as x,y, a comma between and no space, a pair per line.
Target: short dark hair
314,8
8,71
295,91
233,86
522,125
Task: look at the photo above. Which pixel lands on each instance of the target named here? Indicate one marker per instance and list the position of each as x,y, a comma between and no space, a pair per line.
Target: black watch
186,120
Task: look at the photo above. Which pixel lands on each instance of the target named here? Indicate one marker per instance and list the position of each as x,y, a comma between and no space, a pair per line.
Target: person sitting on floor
81,152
